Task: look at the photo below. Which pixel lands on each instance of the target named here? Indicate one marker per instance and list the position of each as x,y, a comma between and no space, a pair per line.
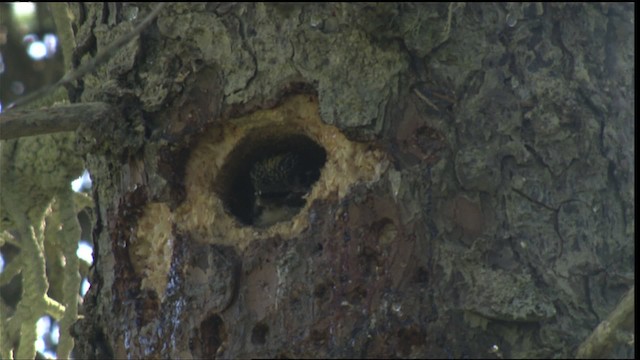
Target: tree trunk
357,180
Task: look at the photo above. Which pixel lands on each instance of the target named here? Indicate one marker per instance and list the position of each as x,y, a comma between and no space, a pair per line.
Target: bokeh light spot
85,251
23,8
37,50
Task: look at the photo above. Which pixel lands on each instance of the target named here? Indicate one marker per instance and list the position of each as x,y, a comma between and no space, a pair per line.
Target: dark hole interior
212,334
259,334
266,177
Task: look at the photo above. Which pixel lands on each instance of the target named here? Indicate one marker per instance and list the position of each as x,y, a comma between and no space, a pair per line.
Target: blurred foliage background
30,55
31,58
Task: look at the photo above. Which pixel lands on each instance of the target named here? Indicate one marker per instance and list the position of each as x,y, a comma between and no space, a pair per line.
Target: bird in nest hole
280,183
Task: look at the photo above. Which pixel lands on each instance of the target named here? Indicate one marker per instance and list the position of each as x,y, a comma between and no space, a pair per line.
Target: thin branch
102,56
60,13
54,308
12,269
34,286
20,123
69,238
600,343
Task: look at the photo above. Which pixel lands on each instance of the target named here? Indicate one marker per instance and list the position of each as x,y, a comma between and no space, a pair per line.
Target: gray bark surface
501,227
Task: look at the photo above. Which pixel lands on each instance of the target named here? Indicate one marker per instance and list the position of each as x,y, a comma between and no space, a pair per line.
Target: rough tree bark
474,196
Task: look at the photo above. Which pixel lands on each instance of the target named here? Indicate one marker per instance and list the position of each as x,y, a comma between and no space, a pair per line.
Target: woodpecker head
280,183
282,174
